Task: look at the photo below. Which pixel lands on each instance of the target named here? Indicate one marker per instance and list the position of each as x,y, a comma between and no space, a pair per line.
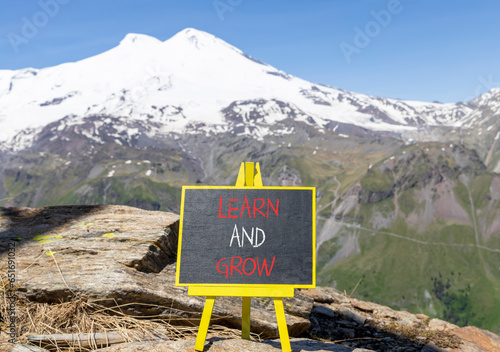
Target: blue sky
426,50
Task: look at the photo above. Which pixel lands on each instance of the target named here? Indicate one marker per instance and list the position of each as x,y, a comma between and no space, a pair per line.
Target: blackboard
247,236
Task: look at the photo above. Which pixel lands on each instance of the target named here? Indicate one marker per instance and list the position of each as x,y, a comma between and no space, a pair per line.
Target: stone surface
123,255
477,340
318,296
325,311
365,307
231,345
441,325
27,348
352,314
432,347
342,321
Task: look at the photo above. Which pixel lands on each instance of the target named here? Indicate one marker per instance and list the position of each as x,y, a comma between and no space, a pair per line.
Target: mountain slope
191,79
421,234
407,200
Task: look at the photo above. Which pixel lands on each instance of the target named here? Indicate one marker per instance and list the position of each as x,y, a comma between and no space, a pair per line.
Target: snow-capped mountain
192,83
134,124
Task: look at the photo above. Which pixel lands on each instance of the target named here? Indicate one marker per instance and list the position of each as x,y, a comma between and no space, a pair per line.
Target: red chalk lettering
244,265
235,267
269,204
245,201
264,266
220,209
237,264
223,265
255,208
231,209
258,207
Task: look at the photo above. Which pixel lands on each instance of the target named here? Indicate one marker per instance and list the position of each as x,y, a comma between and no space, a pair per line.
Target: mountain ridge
114,244
201,76
411,180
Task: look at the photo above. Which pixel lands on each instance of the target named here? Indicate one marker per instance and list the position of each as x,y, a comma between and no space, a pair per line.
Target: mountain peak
495,91
193,32
493,95
198,39
139,39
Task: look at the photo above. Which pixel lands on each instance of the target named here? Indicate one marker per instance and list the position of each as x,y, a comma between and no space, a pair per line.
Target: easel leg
282,327
204,323
245,318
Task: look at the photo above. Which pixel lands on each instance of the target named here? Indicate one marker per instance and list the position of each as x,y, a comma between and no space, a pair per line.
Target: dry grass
83,315
443,339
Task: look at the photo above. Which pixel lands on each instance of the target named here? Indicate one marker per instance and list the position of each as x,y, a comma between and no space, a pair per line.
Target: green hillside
414,226
425,237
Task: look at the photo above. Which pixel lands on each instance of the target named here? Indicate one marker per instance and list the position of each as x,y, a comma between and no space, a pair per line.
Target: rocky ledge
126,256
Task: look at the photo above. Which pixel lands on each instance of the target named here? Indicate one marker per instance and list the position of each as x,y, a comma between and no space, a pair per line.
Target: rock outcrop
119,255
126,256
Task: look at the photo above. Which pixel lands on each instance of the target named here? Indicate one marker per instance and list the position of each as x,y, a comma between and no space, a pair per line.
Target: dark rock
120,255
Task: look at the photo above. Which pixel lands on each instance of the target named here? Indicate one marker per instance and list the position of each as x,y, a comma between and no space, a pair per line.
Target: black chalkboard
240,236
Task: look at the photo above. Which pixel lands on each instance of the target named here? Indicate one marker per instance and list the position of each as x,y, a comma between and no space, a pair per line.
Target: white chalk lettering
256,236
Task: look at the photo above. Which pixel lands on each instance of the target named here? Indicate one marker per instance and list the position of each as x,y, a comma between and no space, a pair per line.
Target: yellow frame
274,286
248,177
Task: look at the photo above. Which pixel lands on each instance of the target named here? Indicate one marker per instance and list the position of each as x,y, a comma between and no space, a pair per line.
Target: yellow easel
247,177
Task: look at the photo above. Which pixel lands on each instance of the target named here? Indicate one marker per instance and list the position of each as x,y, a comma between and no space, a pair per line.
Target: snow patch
200,76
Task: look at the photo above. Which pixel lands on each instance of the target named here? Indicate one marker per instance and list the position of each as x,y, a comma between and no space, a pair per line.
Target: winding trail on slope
420,241
329,233
336,192
476,231
490,152
335,197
